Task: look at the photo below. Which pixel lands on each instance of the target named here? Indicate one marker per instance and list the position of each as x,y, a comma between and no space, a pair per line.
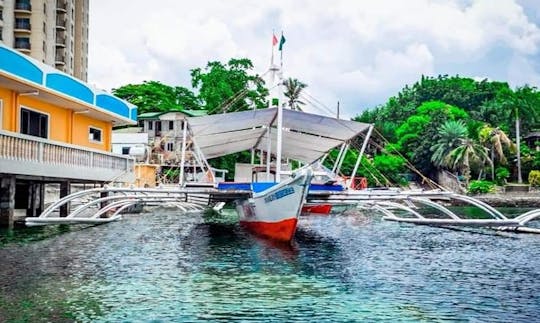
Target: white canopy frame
306,137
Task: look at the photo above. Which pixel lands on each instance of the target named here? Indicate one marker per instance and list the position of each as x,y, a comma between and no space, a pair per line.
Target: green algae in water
224,216
51,301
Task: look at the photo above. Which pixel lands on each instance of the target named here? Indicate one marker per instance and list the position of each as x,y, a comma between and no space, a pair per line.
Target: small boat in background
317,208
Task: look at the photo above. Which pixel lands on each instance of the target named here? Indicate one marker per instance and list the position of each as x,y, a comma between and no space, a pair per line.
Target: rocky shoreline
510,199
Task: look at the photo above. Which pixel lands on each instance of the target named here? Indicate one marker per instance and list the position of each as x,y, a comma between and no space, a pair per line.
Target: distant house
532,139
122,142
165,132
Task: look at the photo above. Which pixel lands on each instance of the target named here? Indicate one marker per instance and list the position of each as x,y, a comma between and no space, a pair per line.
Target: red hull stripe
281,231
318,208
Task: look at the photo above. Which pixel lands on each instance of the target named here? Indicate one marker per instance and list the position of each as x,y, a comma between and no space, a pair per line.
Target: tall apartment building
54,32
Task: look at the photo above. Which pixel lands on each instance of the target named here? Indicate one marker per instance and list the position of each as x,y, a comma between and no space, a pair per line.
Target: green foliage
413,125
228,162
402,118
467,156
348,163
501,175
452,112
534,178
391,166
451,133
153,96
480,187
293,91
229,87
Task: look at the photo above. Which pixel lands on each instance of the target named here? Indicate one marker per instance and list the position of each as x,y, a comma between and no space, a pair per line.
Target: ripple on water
174,267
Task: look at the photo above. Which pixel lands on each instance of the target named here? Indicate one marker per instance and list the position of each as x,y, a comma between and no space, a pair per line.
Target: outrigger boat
274,212
273,207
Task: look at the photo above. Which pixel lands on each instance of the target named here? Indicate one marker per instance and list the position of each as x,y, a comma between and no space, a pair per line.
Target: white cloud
358,52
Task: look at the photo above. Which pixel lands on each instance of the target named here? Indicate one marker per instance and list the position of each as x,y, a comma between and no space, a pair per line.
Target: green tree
469,153
154,96
418,133
496,141
525,104
451,133
229,87
293,91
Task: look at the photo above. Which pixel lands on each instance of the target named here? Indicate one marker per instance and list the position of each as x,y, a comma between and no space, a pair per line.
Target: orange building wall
58,117
64,125
7,112
81,127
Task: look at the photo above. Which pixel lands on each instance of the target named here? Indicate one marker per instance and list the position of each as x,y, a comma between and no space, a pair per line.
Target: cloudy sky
353,51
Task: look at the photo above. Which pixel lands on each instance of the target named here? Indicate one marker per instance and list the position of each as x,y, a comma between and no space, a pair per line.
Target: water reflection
175,267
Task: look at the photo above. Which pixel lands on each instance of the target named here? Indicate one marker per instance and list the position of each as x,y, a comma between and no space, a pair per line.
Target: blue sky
353,51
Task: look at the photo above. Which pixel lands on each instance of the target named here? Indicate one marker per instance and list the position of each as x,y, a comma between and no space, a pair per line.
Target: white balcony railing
27,155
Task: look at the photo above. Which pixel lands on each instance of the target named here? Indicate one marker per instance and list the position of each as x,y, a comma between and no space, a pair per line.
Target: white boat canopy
306,137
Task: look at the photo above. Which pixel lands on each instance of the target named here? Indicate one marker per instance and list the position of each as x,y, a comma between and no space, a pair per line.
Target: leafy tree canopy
229,87
154,96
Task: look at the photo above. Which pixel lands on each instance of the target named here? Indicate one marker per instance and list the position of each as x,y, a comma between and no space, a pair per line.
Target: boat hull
317,208
273,213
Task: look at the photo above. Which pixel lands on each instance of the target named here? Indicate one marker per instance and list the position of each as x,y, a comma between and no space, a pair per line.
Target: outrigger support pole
360,154
279,130
268,153
342,158
334,169
183,158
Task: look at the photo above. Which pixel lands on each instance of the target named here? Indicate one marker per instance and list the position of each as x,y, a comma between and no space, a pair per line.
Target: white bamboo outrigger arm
360,154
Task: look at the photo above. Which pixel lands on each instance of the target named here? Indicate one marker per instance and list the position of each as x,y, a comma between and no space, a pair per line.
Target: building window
23,5
125,150
150,125
171,125
34,123
22,42
170,146
22,23
1,14
94,134
1,37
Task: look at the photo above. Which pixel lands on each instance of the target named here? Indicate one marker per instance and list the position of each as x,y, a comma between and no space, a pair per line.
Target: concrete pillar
41,206
65,189
31,199
104,204
36,196
7,200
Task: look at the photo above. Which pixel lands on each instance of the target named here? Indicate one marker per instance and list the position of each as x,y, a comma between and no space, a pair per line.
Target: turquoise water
165,266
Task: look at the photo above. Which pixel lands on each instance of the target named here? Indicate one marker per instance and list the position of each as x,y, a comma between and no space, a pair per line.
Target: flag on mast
274,39
281,42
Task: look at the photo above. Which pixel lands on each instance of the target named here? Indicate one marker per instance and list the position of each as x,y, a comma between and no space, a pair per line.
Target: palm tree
524,102
293,90
451,133
468,153
496,140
